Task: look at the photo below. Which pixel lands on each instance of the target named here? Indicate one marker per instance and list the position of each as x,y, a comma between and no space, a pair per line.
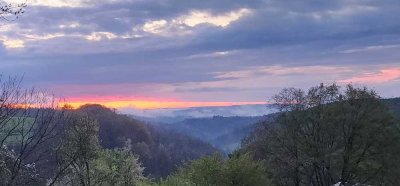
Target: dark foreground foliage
325,136
321,137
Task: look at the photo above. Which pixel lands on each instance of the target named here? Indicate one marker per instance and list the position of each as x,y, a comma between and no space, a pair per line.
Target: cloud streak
383,76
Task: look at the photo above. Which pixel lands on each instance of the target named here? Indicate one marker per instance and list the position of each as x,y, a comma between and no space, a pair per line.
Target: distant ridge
203,112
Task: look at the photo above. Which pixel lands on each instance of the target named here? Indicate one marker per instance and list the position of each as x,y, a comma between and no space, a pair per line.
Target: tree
11,11
117,167
29,123
241,169
78,149
82,161
327,136
215,171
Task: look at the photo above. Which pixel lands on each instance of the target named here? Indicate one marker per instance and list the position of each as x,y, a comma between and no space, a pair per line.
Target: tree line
328,135
44,144
324,136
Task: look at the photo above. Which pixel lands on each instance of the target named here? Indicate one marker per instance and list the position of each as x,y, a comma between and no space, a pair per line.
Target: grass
14,128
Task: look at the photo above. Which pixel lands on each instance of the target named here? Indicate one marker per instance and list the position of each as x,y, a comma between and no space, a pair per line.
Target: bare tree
11,11
30,122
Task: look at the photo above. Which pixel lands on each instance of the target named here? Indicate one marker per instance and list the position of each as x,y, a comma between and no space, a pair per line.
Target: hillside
161,151
394,105
163,147
224,133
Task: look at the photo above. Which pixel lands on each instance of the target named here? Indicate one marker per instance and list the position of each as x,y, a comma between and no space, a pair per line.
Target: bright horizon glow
147,103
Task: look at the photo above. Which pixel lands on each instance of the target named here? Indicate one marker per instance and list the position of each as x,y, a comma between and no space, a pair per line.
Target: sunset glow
165,54
148,103
384,75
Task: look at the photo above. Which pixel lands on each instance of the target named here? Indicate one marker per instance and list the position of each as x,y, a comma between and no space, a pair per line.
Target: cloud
283,71
261,82
70,25
13,43
344,11
246,24
97,36
207,50
62,3
183,24
370,48
382,76
202,17
51,3
211,55
154,27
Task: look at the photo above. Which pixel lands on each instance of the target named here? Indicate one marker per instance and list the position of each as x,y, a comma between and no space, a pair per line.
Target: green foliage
79,148
11,131
325,136
321,137
239,170
161,151
28,173
117,167
81,142
84,162
242,170
394,105
205,171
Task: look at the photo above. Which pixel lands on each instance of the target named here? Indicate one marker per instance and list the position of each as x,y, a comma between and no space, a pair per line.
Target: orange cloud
384,75
146,103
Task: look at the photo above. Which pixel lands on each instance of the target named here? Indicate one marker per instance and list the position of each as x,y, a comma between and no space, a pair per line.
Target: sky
187,53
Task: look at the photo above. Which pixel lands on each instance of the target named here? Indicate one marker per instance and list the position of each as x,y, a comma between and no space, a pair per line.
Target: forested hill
163,149
394,105
160,151
224,133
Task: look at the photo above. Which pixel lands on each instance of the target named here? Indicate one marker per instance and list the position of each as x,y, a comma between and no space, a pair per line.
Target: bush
215,171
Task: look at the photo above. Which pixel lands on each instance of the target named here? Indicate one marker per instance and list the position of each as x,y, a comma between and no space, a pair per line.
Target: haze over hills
199,93
224,133
168,115
223,127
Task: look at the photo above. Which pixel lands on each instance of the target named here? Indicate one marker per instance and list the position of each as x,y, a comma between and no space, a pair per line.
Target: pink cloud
384,75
